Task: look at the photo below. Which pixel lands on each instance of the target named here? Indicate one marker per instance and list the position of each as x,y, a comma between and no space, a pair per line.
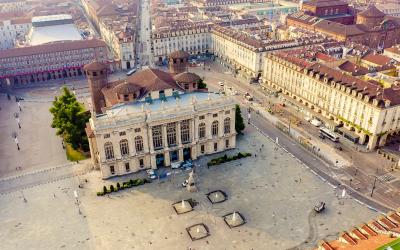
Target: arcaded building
372,27
153,119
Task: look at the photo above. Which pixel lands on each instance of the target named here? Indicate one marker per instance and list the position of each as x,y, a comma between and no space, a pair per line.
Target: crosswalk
386,177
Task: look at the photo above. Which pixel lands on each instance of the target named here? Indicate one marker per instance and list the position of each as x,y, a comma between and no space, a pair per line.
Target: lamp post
14,135
373,187
16,115
77,201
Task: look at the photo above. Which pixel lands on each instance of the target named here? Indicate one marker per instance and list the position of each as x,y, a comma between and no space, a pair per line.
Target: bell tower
96,73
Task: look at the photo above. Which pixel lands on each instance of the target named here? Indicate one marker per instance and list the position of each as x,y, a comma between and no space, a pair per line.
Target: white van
131,72
316,122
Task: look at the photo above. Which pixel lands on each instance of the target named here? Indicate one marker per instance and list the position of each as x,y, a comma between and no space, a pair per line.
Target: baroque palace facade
154,118
364,108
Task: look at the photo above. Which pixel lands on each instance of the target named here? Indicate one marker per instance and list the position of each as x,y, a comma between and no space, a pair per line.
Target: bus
329,134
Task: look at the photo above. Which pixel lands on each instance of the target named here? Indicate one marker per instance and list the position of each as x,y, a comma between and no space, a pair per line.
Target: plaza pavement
273,191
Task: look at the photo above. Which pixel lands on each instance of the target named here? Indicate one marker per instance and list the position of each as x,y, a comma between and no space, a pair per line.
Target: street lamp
14,135
373,187
16,115
77,201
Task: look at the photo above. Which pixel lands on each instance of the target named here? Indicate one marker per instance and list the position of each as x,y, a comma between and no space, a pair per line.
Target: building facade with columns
154,118
364,110
131,137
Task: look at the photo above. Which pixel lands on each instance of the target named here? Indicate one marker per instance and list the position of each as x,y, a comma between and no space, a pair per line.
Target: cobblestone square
274,192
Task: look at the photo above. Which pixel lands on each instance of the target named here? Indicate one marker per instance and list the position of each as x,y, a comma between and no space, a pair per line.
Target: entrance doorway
128,65
186,154
160,160
174,155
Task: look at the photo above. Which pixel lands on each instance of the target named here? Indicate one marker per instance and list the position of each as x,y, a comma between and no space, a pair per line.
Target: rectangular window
127,167
227,143
137,130
201,117
202,149
112,170
141,163
215,146
215,115
157,137
185,138
122,133
227,112
171,134
106,136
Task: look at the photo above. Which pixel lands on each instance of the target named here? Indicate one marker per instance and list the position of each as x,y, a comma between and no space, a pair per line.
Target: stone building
372,28
61,60
152,119
178,61
364,111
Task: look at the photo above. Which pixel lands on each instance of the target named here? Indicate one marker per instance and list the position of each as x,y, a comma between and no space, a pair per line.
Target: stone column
153,162
382,141
193,152
164,136
150,141
178,134
191,128
180,154
167,159
372,142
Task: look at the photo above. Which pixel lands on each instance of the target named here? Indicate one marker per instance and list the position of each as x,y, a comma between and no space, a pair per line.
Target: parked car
248,97
322,136
221,84
316,122
131,72
187,164
185,183
308,118
176,165
320,207
151,174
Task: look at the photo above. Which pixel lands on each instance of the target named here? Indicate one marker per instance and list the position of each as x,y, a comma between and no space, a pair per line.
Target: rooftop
54,33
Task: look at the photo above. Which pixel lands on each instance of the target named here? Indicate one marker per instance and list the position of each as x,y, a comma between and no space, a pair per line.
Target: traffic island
234,219
182,207
198,231
217,196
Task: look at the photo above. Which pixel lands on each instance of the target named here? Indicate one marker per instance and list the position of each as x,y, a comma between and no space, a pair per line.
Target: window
141,163
123,145
157,137
214,128
202,149
227,143
112,170
138,144
137,130
202,130
122,133
106,136
186,86
185,131
109,150
215,146
215,115
127,167
126,98
171,134
227,125
201,117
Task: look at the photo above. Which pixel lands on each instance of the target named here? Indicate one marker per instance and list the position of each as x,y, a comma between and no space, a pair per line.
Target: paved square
273,191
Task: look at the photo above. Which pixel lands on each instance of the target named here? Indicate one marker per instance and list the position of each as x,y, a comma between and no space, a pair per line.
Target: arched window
202,130
171,134
227,125
139,144
109,150
123,146
157,137
185,138
214,128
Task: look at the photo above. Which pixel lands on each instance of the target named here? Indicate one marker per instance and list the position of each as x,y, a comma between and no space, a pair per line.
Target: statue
191,187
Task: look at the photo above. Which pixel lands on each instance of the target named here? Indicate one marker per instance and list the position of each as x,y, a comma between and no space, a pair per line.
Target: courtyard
272,191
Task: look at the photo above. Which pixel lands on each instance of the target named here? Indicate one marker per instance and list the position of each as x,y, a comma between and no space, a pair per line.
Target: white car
176,165
307,118
151,174
221,84
316,122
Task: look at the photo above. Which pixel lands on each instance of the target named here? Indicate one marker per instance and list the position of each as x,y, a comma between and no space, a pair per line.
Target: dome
95,66
178,54
371,11
186,77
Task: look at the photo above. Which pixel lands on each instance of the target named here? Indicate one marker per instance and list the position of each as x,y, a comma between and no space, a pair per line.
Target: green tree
239,124
201,84
70,118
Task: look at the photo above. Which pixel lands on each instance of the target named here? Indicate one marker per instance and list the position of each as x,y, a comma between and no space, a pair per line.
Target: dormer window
126,98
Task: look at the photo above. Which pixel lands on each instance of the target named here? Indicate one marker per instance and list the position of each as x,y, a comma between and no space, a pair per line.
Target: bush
225,158
100,193
131,182
126,184
105,190
112,188
118,185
